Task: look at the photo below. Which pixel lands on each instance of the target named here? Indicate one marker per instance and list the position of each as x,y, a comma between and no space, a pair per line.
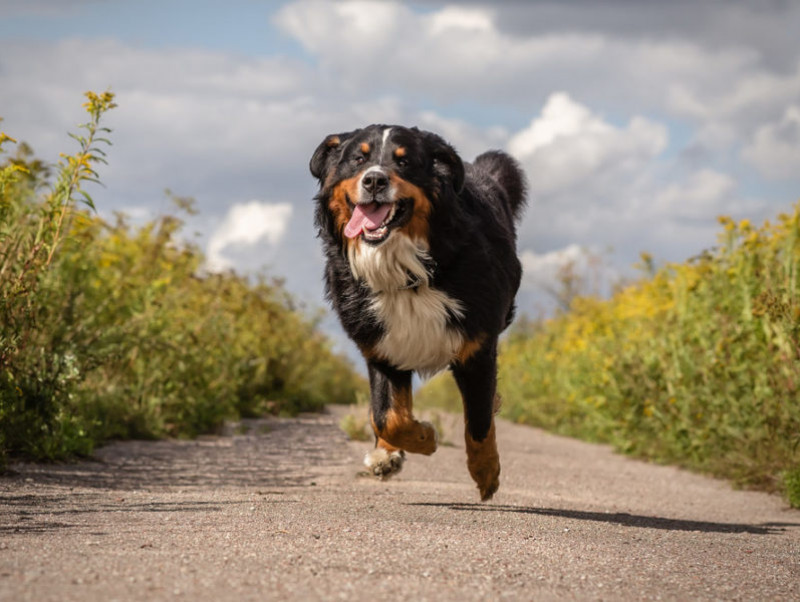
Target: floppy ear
446,162
322,159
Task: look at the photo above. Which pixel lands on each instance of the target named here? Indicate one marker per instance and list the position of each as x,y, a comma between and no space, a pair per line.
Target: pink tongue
369,216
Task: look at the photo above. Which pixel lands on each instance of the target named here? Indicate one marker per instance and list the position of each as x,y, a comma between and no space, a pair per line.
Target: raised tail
505,170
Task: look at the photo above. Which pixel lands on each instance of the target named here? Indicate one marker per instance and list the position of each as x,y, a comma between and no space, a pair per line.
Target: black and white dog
422,271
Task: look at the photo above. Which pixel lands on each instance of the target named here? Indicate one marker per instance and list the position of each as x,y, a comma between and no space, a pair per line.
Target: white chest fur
415,321
417,336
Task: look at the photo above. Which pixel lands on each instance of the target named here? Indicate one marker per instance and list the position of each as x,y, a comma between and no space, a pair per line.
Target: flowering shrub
112,331
697,365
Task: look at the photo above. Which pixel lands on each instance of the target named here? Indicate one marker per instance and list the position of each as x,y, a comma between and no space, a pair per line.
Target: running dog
421,268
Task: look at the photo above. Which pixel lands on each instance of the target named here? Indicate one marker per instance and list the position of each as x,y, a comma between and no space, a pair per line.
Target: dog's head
383,181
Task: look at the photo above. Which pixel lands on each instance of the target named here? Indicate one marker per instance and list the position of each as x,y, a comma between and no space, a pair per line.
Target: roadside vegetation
696,364
113,331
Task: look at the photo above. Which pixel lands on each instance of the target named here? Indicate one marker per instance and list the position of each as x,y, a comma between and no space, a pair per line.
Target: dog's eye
359,159
402,161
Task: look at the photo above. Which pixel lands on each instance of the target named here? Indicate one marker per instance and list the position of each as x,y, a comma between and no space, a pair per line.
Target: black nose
374,182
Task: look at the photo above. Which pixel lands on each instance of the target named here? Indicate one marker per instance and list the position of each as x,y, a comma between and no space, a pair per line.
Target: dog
421,268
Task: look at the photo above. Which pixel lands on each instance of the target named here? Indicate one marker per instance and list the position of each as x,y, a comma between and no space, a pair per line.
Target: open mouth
373,221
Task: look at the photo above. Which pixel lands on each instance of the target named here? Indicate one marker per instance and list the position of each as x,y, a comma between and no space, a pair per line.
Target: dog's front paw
415,437
428,438
383,463
489,486
483,463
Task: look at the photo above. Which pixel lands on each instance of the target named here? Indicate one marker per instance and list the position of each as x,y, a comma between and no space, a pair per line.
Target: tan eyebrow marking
400,151
364,148
333,141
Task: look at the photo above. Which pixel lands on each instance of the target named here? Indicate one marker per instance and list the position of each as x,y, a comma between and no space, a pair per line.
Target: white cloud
567,271
460,18
468,140
245,225
568,146
459,52
750,90
728,112
543,268
342,31
601,186
561,117
185,117
775,148
706,194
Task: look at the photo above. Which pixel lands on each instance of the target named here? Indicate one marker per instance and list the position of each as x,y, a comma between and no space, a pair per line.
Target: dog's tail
505,170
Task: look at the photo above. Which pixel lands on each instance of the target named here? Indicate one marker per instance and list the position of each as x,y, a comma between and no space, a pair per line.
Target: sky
637,123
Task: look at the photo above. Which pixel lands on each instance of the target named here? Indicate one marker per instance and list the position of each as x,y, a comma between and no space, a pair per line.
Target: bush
113,331
697,364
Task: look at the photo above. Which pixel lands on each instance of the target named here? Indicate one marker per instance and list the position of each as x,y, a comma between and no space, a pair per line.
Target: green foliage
439,392
112,331
791,485
697,364
355,426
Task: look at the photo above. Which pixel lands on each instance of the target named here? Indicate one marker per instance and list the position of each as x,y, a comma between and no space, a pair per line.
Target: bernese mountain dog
421,268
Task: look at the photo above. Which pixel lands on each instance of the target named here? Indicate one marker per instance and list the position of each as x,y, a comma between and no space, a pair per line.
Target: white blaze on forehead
374,168
386,132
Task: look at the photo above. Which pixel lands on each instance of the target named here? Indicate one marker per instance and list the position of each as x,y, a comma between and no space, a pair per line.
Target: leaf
87,199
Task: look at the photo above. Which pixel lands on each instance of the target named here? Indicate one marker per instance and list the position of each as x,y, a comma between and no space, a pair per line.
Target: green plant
439,392
791,483
112,331
356,427
36,379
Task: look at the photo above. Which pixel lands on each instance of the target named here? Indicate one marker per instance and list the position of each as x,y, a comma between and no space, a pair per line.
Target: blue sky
637,123
242,27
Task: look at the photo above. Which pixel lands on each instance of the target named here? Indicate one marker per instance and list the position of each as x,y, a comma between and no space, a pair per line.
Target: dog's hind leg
476,377
396,429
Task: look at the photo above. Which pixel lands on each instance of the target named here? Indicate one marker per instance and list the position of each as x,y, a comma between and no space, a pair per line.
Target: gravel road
281,513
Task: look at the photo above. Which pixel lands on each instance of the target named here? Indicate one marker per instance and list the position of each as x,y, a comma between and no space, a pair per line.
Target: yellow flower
98,103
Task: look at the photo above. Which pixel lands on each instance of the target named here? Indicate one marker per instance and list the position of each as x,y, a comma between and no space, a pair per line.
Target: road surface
281,513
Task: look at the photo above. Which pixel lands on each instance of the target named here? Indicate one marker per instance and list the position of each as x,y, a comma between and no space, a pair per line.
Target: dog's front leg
396,429
477,380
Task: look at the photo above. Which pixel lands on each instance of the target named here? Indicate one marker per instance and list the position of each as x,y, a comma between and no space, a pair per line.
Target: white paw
383,463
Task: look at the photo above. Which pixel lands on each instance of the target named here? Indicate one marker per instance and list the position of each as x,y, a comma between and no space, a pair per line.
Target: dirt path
279,513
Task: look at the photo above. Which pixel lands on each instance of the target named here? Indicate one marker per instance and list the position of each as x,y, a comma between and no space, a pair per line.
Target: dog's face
382,180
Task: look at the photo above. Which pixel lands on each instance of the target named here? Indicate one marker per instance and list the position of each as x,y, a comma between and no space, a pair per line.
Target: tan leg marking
402,431
483,463
469,348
